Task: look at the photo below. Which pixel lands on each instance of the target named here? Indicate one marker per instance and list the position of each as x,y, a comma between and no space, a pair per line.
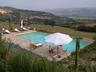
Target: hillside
75,12
13,14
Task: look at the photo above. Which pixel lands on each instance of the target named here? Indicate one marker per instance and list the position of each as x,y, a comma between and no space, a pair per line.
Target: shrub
86,28
3,49
3,66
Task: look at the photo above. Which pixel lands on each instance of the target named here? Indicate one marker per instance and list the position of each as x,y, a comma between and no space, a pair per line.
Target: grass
88,53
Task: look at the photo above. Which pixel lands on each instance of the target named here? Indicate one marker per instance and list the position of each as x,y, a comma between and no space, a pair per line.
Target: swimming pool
38,37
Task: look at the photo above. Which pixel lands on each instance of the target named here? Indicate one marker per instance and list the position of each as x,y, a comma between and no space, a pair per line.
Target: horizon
49,8
48,4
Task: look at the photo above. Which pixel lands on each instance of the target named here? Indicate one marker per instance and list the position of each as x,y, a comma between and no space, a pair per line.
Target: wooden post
76,53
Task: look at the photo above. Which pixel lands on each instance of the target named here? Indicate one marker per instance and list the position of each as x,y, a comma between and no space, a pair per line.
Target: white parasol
58,38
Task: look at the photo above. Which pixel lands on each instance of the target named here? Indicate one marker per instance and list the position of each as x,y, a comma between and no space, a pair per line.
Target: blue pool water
38,37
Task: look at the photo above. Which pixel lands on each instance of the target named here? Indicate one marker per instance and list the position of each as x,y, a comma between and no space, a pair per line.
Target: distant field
80,17
92,24
48,28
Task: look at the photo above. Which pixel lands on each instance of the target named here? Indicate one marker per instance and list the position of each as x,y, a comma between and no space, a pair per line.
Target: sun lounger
28,28
3,29
7,31
23,28
37,44
16,30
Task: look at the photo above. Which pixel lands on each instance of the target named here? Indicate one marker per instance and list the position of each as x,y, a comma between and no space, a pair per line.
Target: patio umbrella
22,23
58,39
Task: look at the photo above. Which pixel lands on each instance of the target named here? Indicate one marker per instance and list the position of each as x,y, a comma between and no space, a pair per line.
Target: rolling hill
74,12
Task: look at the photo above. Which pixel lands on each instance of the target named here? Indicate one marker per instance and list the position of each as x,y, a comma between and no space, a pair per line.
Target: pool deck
42,51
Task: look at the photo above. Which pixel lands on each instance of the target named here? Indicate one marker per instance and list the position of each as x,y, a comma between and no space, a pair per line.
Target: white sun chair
28,28
7,31
37,44
24,28
3,29
16,30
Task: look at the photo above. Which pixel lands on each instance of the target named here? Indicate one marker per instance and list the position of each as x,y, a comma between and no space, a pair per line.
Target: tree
46,21
50,22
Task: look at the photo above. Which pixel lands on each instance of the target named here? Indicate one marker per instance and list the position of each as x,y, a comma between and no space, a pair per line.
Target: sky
48,4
